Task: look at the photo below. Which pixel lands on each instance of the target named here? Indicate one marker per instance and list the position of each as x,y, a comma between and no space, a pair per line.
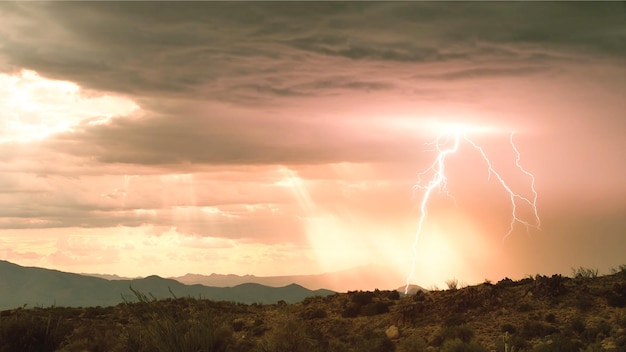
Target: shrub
461,332
619,270
291,335
510,328
457,345
551,318
350,311
524,307
361,297
371,341
558,343
597,331
506,282
413,343
615,300
452,284
532,328
25,331
314,313
170,329
550,286
454,320
393,295
374,308
584,273
577,325
419,296
584,303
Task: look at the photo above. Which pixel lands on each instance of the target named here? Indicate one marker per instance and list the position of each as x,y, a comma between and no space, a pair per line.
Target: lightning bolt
449,144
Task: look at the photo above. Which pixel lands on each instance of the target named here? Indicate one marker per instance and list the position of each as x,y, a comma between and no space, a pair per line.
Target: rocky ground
555,313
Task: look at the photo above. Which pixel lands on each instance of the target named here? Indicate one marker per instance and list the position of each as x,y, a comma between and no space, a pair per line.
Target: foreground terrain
542,313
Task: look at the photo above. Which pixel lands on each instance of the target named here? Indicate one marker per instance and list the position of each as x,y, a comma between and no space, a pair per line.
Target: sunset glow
36,107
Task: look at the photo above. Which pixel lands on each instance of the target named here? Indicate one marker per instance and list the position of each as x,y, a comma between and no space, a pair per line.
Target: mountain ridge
33,286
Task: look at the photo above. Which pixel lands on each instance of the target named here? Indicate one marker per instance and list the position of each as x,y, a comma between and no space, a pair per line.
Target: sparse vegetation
533,314
452,284
584,273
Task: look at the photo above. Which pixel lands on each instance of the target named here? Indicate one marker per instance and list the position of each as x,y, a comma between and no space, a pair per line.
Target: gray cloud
199,133
222,48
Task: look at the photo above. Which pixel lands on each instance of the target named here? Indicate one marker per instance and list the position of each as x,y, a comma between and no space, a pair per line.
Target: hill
542,313
43,287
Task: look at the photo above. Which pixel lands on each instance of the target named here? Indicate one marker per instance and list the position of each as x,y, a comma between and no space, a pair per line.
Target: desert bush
550,286
510,328
374,308
372,341
169,328
621,320
593,347
506,282
392,295
531,329
511,343
413,343
458,345
419,296
577,324
26,331
615,300
361,297
454,320
596,331
619,270
584,302
238,324
584,273
292,335
527,280
524,307
558,343
452,284
314,313
351,310
551,318
461,332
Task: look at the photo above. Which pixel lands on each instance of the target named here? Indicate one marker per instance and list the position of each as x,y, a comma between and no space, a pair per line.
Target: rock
392,332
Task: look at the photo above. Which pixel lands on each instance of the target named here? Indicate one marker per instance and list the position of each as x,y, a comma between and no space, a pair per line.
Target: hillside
542,313
33,287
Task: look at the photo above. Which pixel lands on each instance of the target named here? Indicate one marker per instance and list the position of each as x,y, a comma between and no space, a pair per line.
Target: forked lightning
447,144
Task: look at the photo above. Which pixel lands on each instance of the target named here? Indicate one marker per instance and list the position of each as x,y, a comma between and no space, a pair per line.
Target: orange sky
275,139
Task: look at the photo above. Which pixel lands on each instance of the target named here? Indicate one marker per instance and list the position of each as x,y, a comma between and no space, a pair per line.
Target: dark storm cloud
204,134
167,55
177,48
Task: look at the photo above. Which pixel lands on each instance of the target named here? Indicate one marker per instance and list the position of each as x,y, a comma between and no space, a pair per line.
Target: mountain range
364,278
33,286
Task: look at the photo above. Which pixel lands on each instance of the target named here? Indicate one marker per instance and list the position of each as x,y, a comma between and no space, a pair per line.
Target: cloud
210,134
222,50
251,114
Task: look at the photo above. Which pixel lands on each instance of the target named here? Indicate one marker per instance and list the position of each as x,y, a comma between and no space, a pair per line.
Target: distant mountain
110,277
43,287
412,289
359,278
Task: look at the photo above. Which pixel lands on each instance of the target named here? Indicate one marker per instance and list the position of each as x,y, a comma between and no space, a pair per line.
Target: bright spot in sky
33,107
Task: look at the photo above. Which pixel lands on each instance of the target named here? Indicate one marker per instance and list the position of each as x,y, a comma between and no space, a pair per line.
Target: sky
279,138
